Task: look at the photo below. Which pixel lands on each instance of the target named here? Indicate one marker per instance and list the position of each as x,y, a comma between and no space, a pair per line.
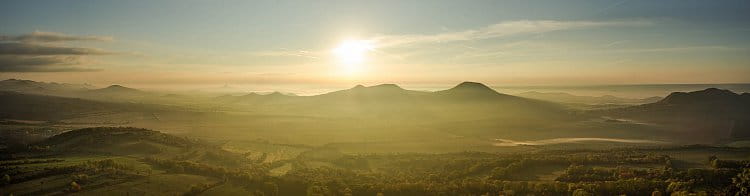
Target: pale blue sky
417,42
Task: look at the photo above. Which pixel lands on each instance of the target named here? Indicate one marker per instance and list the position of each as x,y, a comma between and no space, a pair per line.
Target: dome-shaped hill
707,115
709,95
117,88
117,91
118,140
472,86
708,103
473,91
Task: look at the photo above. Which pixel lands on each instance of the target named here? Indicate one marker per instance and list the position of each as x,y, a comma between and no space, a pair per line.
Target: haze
287,45
342,98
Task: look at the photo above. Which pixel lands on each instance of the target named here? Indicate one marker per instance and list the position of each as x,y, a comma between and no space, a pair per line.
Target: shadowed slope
34,87
50,108
708,115
118,140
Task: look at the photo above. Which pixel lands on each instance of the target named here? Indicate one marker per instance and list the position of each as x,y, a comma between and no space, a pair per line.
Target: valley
364,141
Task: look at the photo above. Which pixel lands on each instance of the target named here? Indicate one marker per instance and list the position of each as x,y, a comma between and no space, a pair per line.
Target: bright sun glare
353,53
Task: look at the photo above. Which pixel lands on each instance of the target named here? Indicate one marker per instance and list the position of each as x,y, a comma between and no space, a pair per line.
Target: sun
353,53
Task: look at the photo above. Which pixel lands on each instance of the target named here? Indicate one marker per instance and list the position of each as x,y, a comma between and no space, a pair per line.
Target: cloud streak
41,64
498,30
38,49
43,52
284,53
39,36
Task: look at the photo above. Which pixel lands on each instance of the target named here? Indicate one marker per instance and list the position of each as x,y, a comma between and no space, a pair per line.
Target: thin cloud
616,43
39,36
284,53
681,49
42,52
41,64
498,30
38,49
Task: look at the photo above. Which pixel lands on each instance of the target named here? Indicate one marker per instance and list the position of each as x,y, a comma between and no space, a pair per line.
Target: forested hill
710,114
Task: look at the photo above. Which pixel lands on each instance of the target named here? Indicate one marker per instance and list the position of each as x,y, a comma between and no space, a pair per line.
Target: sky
299,44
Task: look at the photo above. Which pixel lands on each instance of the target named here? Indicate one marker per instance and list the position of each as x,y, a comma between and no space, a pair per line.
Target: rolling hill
465,101
118,93
46,88
138,142
51,108
707,115
469,109
124,140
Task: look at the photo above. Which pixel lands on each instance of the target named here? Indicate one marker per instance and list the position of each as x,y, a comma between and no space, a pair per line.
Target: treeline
102,135
478,174
331,181
514,170
27,161
14,174
717,163
197,189
253,177
488,174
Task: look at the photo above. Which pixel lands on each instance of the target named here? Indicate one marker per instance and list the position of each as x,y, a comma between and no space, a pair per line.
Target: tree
581,192
742,182
270,188
178,169
346,192
6,179
712,158
315,190
74,187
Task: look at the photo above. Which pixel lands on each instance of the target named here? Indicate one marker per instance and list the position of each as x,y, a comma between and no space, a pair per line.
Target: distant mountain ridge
34,87
386,92
51,108
465,109
84,91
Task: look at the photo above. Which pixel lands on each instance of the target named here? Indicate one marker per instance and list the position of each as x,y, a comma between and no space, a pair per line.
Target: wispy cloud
498,30
284,53
42,64
680,49
44,52
39,36
38,49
